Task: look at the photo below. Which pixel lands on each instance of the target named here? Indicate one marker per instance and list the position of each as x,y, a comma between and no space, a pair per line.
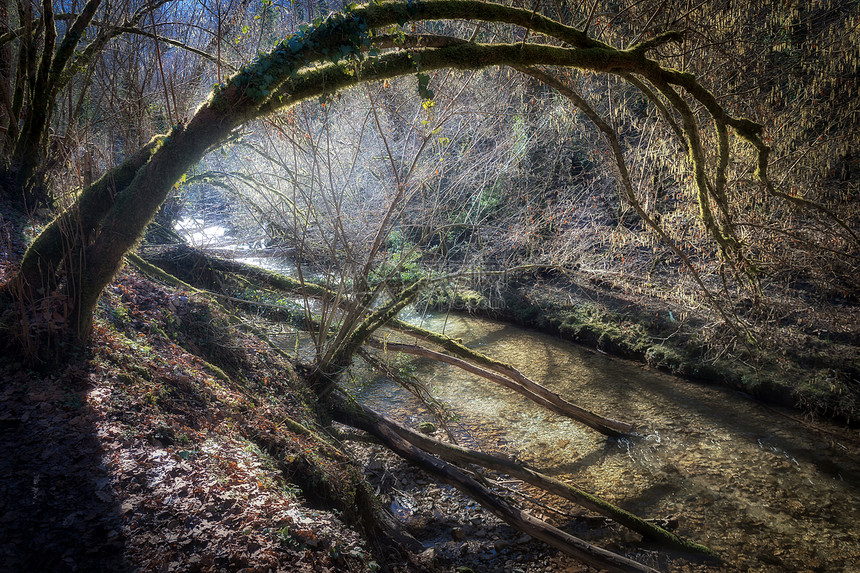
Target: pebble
427,555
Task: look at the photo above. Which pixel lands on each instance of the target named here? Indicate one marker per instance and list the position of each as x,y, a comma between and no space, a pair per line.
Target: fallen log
529,388
460,455
569,410
351,414
184,260
463,455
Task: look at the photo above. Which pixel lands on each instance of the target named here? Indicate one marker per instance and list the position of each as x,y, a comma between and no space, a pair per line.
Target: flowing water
767,491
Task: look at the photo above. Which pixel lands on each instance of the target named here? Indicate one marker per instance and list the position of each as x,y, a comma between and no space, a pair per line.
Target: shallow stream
766,490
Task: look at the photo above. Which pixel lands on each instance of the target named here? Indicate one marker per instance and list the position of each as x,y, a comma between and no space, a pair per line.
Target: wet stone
427,427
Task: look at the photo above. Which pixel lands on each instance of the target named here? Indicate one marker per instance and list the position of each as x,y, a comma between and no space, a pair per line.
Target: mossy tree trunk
48,304
77,255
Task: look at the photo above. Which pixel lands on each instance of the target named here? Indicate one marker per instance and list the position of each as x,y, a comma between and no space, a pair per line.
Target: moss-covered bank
813,371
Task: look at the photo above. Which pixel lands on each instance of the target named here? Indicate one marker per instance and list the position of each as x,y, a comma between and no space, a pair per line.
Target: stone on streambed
427,427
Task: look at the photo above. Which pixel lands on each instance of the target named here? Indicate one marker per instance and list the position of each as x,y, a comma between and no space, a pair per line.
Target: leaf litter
143,455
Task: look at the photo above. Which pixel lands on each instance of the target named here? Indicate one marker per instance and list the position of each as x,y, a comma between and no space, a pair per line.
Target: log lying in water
515,380
566,409
384,429
414,447
460,455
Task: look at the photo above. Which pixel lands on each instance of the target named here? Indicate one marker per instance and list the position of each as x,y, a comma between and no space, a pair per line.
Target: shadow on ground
58,511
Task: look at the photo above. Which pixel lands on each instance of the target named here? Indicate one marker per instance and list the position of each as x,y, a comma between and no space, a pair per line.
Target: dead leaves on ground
141,457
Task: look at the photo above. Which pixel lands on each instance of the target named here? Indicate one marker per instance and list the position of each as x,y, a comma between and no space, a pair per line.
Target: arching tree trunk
78,254
48,304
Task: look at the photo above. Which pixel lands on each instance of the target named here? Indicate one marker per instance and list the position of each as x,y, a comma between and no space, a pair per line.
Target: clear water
767,491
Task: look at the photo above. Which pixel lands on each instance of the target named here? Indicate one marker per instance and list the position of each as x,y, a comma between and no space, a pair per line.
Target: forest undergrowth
177,440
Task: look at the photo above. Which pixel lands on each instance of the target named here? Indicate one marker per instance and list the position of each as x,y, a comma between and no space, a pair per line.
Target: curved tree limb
128,29
624,176
750,132
283,77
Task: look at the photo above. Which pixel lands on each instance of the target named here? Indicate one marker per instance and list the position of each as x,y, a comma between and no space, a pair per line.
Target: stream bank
706,458
805,361
175,442
678,469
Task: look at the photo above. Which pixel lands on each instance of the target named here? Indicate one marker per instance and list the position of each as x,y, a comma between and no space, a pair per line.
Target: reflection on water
279,265
766,491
